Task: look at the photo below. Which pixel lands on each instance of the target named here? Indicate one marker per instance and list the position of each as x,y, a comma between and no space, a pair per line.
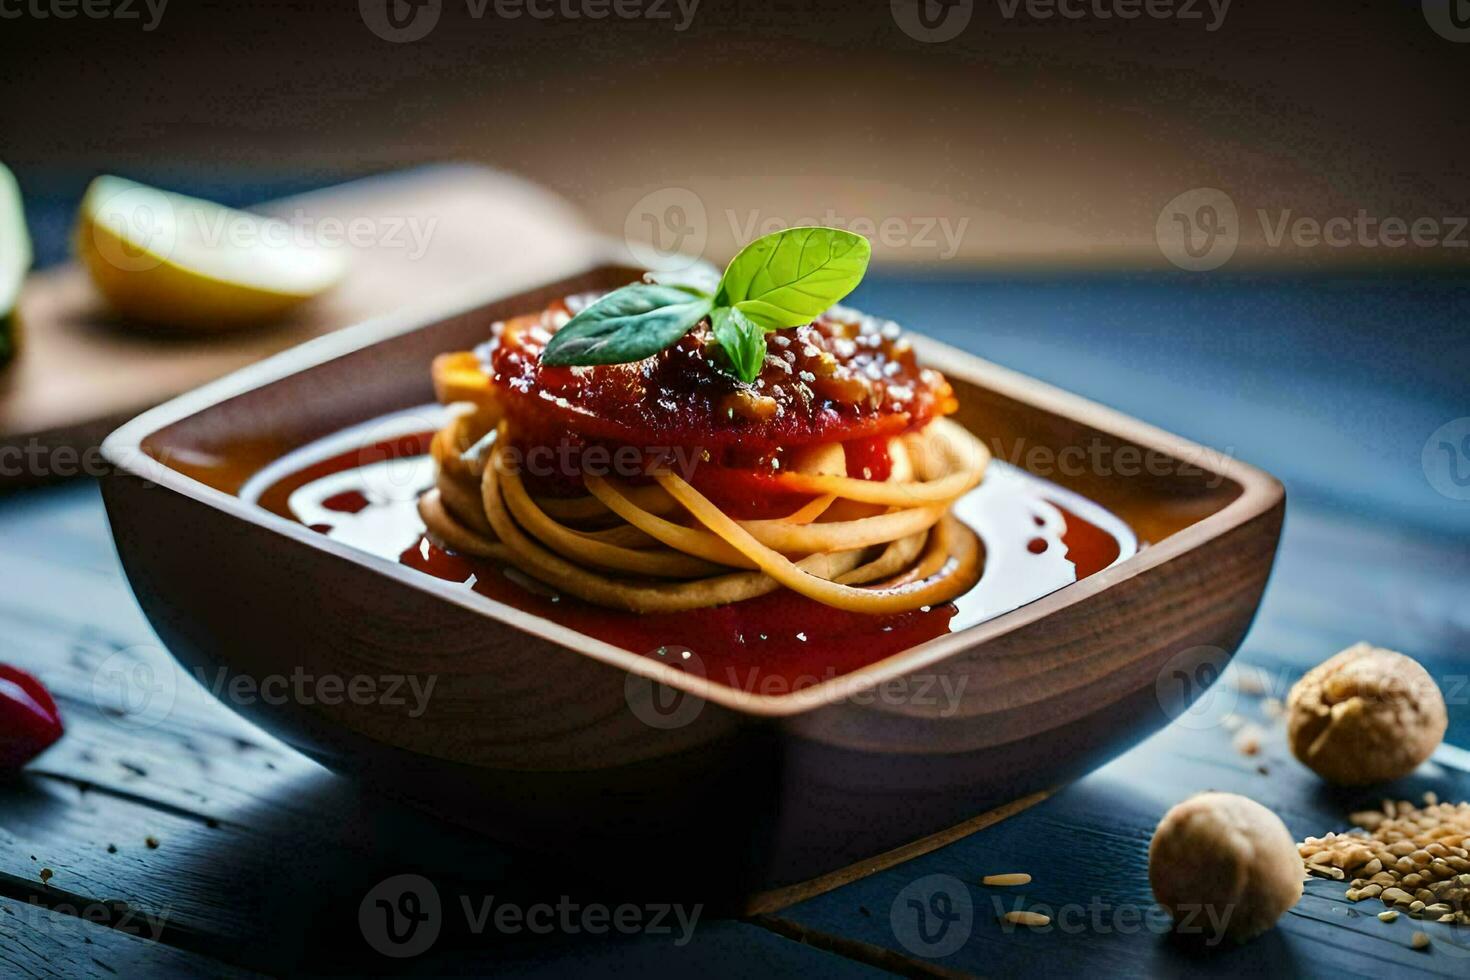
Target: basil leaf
628,324
744,342
792,277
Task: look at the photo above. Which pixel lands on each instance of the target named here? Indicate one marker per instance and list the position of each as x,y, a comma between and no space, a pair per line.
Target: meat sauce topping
845,378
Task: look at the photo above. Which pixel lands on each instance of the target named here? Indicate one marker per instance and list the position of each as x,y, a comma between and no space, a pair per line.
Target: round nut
1221,861
1367,715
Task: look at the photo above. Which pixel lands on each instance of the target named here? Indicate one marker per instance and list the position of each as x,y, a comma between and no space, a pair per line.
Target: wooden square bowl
534,732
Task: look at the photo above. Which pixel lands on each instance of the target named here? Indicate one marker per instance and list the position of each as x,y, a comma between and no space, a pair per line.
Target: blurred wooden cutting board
80,372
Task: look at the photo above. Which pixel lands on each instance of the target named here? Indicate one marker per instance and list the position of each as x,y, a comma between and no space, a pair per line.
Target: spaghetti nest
659,545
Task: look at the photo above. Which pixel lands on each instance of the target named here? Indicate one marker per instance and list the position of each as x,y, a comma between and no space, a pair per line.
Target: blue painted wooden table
194,844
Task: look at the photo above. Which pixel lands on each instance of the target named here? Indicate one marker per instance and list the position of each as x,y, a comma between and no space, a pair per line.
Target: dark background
1060,139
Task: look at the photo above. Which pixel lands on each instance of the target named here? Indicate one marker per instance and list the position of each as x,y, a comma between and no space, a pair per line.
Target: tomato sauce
771,644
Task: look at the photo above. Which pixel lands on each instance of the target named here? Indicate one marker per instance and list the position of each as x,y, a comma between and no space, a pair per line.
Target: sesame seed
1404,855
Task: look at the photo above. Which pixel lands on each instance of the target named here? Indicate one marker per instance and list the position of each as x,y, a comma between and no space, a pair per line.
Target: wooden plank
779,898
262,856
259,894
36,941
1339,579
1087,850
1342,575
428,233
200,763
720,949
225,803
1087,847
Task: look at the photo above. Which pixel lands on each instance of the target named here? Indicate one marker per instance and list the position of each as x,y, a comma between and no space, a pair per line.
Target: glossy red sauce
781,637
346,502
868,459
275,497
1089,547
771,644
745,495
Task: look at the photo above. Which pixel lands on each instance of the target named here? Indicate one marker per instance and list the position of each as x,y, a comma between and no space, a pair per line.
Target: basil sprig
779,281
742,340
628,324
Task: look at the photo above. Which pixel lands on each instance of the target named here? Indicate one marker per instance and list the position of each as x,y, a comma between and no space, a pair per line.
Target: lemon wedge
179,261
15,260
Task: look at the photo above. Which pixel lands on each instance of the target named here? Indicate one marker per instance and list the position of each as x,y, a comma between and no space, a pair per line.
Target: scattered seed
1402,854
1248,740
1249,681
1007,880
46,875
1420,940
1388,916
152,843
1028,919
1396,896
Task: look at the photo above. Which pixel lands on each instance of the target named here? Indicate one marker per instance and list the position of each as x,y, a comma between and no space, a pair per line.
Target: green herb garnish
776,282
